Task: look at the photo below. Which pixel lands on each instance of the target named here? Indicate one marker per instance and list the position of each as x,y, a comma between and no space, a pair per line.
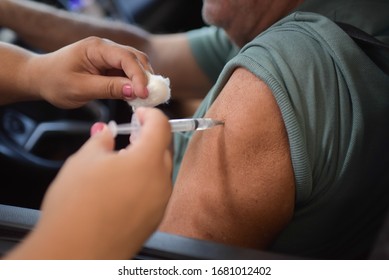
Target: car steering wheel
36,138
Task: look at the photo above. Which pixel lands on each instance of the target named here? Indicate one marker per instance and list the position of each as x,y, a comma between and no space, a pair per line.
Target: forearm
48,28
73,238
16,75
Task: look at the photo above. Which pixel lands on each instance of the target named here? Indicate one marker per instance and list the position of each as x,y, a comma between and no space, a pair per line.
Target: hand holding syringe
178,125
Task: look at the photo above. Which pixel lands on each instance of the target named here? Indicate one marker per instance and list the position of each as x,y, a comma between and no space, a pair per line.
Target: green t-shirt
219,49
335,105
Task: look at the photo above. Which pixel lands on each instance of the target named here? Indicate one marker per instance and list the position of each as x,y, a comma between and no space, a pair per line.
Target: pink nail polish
127,91
97,127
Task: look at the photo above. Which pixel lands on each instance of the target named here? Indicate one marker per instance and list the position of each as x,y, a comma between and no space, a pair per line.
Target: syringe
178,125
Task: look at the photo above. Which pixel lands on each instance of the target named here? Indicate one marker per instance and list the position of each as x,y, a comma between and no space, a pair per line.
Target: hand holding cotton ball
159,92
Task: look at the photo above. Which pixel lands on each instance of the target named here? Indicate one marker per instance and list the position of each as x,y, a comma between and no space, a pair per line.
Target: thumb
101,139
108,87
155,133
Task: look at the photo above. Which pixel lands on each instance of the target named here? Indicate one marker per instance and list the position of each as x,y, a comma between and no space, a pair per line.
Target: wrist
31,77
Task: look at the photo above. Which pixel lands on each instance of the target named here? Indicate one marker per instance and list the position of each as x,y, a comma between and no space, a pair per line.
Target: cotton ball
159,92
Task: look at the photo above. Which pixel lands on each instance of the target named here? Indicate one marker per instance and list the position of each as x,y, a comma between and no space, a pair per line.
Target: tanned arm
236,182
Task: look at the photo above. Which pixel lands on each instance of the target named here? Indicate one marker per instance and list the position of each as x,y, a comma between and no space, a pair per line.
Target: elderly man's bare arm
236,183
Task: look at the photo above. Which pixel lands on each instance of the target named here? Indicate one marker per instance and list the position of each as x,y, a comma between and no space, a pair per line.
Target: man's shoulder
302,29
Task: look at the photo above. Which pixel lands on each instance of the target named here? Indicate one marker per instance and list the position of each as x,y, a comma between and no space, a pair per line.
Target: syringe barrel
191,124
177,125
183,125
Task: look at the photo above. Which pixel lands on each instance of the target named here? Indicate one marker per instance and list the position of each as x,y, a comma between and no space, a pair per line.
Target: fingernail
133,138
127,91
97,127
146,93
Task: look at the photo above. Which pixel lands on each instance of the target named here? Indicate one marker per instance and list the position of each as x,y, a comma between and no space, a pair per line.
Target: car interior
36,138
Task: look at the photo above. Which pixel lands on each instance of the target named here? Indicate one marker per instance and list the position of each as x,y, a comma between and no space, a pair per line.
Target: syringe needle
177,125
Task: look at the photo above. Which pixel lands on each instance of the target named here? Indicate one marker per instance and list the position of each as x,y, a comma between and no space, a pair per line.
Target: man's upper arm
236,182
